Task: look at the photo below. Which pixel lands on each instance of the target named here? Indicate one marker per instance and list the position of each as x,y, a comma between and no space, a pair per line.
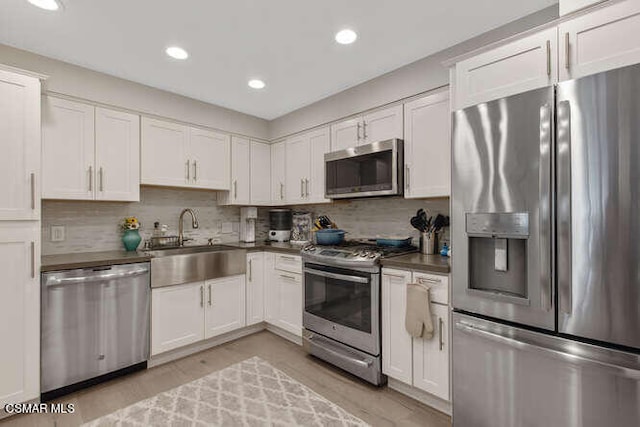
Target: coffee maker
248,217
280,225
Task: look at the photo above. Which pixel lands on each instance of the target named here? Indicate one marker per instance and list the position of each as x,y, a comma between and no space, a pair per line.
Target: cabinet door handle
567,51
250,270
33,260
441,338
201,296
301,187
101,179
549,58
424,280
358,132
306,185
195,170
90,178
364,130
33,191
188,170
407,177
281,191
235,188
284,276
209,295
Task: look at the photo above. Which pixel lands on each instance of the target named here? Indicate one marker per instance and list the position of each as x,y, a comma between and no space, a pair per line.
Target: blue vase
131,240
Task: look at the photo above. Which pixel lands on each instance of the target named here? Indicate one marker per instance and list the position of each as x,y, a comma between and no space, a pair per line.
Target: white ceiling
287,43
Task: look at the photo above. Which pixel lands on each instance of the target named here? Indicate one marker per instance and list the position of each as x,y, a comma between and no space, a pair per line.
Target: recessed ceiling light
177,52
346,36
45,4
256,84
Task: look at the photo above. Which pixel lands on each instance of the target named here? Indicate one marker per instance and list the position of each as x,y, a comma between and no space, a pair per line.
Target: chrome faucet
194,224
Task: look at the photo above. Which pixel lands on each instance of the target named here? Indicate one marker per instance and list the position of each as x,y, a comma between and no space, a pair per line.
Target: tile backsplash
94,226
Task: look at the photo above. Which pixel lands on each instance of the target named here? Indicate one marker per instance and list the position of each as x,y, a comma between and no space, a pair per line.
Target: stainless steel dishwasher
95,321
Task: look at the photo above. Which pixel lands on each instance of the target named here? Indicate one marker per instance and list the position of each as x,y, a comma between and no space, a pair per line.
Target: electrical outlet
57,233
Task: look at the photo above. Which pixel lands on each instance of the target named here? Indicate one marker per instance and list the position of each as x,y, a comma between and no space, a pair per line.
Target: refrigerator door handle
544,217
572,358
563,177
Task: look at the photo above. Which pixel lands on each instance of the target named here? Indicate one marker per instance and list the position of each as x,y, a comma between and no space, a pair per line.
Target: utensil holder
428,243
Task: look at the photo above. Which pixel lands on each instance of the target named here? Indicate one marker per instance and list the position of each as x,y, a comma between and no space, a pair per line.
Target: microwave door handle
563,178
544,216
347,278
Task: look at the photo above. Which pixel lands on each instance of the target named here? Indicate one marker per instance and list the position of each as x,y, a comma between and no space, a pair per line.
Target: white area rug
249,393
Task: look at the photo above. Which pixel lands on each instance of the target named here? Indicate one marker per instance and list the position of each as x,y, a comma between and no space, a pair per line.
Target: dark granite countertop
90,259
98,259
416,261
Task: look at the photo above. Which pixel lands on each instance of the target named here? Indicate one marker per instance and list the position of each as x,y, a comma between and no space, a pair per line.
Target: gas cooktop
353,252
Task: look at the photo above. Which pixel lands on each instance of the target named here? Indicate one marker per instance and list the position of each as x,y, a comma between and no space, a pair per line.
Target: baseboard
285,334
421,396
181,352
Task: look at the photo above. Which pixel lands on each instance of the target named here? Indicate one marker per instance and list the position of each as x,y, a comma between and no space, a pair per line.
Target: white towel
418,315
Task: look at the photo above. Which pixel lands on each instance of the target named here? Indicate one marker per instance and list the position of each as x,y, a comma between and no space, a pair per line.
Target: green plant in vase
131,234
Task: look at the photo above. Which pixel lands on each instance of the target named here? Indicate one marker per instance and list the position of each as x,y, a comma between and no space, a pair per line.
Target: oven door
343,305
368,170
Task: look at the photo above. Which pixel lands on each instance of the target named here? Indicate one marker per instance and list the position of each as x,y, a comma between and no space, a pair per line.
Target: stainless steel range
341,316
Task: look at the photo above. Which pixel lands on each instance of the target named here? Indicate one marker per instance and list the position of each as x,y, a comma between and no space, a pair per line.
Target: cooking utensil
394,242
438,223
330,236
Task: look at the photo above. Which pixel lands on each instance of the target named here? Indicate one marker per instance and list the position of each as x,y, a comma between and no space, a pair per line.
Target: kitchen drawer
290,263
438,285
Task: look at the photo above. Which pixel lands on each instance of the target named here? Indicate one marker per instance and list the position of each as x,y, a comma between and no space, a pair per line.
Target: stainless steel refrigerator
546,269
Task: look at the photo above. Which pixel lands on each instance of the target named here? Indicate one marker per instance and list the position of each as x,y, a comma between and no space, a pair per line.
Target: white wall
83,83
421,76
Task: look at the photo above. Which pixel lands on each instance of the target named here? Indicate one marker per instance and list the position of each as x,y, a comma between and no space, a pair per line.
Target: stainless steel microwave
365,171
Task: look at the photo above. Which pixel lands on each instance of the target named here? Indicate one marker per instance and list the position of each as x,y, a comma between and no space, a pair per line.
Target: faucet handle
210,241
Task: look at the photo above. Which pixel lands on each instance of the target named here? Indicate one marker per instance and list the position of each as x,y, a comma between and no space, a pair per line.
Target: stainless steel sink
175,266
186,250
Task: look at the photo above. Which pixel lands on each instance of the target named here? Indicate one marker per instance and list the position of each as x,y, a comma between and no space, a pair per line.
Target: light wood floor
377,406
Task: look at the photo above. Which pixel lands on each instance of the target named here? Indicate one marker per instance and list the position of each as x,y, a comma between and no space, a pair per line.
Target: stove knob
372,255
355,254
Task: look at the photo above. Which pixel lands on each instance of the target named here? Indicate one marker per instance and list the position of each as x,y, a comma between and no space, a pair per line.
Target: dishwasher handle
53,280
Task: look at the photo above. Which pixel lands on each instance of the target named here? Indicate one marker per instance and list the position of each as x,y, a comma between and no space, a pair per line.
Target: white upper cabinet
68,150
298,166
382,125
519,66
240,190
20,139
278,172
19,310
304,158
164,153
602,40
89,153
427,146
570,6
319,145
376,126
117,148
210,156
260,173
346,133
175,155
225,305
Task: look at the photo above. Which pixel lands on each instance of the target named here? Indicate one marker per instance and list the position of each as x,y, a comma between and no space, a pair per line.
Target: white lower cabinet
283,292
19,311
422,363
224,305
176,316
255,306
431,357
185,314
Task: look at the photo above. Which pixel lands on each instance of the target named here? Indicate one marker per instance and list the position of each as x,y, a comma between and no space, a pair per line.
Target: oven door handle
356,279
327,347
